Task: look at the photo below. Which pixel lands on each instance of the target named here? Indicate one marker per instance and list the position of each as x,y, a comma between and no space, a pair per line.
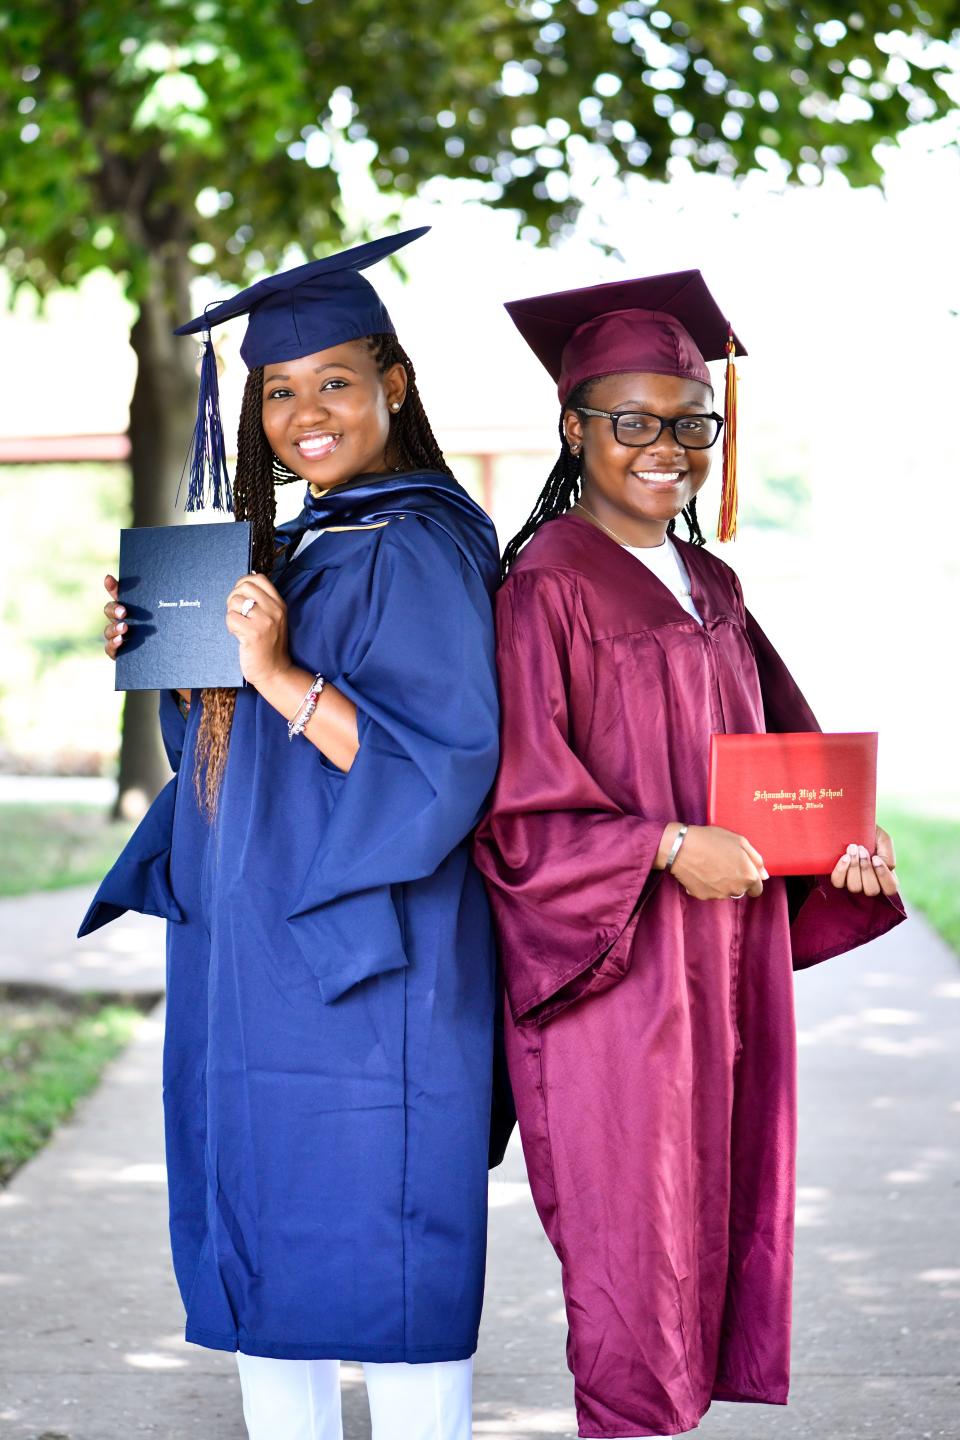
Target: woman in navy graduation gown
327,1065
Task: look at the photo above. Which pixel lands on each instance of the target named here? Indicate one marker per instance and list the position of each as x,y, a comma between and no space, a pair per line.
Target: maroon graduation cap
660,324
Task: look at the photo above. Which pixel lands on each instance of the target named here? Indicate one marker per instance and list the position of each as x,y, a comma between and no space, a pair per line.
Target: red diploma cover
800,799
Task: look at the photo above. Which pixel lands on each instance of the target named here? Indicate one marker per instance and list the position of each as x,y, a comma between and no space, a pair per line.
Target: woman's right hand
116,627
716,864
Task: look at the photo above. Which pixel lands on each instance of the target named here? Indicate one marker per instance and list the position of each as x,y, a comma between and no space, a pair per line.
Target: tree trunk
162,415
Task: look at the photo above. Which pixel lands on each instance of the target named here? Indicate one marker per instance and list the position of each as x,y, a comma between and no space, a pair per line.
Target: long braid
254,492
254,499
563,489
412,445
694,533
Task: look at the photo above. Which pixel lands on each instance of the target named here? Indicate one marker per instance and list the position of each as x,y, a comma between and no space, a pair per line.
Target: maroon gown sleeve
824,921
567,870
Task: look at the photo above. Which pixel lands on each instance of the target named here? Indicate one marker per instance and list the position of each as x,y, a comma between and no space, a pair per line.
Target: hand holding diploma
116,626
864,874
262,632
717,864
713,863
257,616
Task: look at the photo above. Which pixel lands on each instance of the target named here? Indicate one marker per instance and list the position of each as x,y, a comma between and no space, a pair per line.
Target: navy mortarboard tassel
209,456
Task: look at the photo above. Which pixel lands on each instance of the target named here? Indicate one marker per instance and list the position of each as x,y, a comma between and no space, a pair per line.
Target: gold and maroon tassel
727,523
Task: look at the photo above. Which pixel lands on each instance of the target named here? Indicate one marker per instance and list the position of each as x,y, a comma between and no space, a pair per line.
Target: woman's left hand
262,632
864,874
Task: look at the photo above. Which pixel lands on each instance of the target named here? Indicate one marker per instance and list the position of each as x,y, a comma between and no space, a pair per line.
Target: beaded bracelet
306,708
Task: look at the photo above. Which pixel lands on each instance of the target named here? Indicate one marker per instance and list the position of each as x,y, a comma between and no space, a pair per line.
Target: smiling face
636,491
327,415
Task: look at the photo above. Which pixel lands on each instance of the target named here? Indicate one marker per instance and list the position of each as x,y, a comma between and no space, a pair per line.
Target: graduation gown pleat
330,963
650,1036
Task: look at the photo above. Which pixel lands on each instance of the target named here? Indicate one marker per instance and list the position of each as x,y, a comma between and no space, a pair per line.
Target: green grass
928,864
53,1049
46,847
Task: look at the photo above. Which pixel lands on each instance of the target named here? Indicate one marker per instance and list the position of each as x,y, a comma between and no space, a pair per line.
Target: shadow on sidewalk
91,1321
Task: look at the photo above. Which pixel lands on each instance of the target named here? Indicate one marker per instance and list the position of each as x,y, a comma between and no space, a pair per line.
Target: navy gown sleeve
418,663
173,728
140,878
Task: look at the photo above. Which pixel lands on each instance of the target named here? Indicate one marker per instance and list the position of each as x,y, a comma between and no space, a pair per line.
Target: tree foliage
163,138
211,127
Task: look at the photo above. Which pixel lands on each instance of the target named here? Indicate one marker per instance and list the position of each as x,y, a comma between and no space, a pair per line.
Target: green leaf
125,112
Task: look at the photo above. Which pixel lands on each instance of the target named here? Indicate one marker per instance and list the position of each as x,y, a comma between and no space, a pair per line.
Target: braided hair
411,445
564,486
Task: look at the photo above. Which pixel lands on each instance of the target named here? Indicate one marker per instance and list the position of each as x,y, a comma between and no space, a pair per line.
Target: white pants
300,1399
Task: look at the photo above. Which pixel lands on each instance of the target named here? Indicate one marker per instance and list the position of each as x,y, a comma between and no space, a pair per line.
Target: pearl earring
395,405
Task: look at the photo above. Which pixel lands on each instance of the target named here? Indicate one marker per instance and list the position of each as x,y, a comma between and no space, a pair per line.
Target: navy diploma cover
174,581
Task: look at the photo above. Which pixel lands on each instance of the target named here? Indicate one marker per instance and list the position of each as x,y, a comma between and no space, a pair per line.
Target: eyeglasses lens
694,432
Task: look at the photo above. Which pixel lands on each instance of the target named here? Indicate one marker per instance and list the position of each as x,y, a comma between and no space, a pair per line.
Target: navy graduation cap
312,307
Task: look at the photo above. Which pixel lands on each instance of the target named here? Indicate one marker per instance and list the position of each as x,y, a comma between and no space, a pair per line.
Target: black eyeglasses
636,427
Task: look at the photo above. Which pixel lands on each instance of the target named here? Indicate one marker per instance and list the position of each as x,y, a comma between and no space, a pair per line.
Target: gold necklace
578,505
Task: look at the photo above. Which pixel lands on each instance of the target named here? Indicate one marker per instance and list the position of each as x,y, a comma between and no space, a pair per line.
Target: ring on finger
738,895
247,606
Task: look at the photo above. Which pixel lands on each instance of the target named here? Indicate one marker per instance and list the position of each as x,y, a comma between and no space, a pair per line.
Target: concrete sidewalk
90,1321
37,945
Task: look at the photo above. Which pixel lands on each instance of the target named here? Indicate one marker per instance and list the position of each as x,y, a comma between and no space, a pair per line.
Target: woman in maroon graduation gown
648,957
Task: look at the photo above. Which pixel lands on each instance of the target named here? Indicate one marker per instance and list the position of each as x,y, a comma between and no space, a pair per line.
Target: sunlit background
847,300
